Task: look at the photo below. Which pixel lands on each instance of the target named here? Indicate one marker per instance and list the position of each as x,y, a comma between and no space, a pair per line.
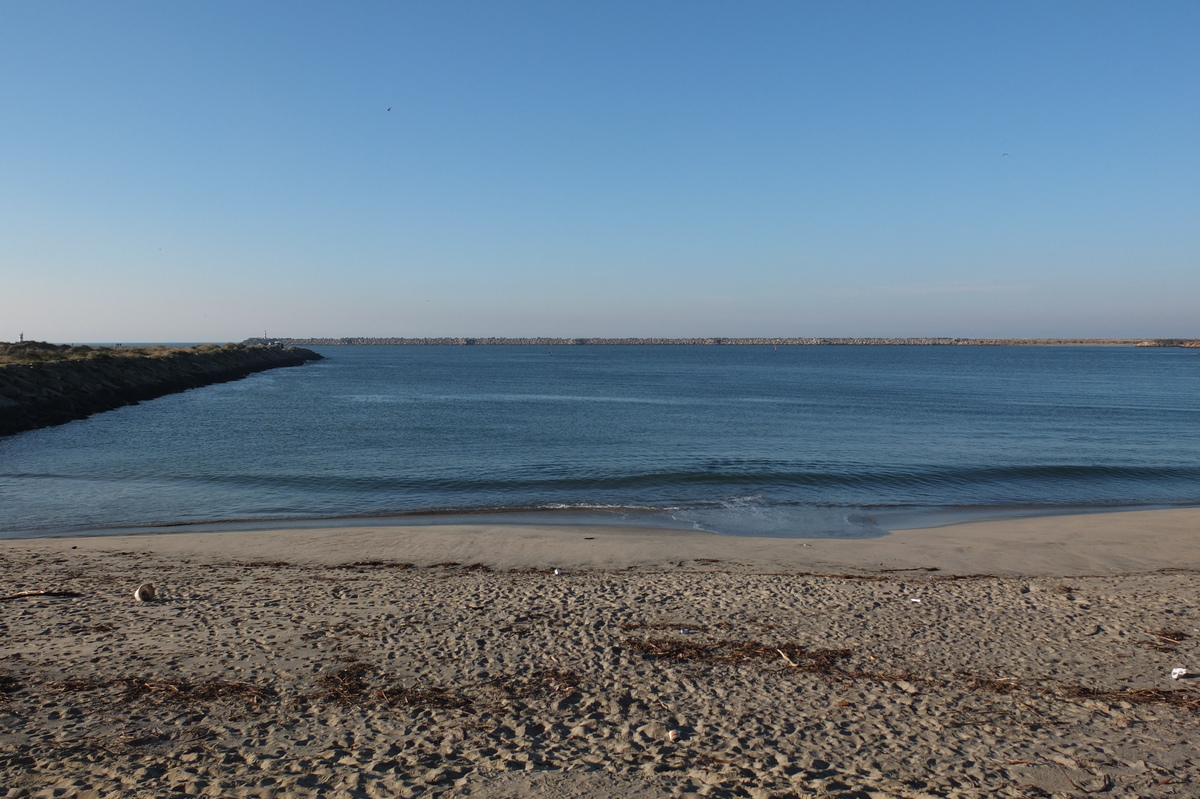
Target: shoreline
1022,658
1059,545
884,522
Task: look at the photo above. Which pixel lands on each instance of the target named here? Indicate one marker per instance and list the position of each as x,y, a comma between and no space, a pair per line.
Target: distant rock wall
44,394
979,342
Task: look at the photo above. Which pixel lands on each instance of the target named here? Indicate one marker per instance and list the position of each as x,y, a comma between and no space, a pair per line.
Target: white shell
144,592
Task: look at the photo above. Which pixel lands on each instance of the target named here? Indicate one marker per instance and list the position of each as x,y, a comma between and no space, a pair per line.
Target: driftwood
24,594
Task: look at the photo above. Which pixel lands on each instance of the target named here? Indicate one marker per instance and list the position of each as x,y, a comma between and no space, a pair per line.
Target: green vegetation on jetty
45,384
44,352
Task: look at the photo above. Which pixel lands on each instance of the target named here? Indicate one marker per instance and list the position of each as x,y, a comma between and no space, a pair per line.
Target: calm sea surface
799,441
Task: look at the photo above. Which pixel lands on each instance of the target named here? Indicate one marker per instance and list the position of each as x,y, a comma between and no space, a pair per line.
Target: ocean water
795,441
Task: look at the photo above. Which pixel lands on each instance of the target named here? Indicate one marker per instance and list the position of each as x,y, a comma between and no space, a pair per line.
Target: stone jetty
46,384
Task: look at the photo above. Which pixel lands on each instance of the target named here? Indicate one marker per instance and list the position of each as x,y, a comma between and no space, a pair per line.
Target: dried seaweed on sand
159,692
1188,700
348,686
734,652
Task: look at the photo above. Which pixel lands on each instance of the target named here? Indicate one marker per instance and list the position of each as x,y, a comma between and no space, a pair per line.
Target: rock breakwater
544,341
50,391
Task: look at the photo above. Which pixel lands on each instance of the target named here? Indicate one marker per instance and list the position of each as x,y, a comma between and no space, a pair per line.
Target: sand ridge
297,665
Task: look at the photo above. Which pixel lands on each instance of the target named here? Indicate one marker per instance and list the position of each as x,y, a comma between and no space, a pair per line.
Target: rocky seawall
34,395
978,342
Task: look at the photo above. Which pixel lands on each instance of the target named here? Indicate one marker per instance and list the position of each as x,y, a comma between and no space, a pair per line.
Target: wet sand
1021,658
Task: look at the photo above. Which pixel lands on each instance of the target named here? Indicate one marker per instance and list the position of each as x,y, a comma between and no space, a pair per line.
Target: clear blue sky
208,171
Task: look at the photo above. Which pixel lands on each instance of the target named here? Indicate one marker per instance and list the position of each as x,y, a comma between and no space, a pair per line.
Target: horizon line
708,340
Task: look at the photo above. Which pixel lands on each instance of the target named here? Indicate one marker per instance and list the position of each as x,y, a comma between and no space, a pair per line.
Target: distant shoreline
565,342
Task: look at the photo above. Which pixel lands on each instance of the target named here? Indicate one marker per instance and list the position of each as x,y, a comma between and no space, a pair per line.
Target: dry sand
1019,658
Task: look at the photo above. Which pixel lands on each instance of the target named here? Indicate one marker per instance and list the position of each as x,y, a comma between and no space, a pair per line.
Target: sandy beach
1030,657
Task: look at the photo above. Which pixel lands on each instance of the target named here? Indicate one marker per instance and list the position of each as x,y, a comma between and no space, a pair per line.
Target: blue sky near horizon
208,171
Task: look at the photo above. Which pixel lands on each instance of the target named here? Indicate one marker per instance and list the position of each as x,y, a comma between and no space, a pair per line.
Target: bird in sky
1002,154
389,108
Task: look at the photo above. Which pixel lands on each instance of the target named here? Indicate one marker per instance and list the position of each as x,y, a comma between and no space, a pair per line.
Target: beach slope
1022,658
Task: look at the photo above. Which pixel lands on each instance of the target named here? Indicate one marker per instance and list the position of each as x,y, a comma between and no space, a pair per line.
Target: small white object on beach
914,599
558,571
144,592
1177,673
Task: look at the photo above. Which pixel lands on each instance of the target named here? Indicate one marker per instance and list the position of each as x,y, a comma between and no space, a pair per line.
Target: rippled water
752,440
